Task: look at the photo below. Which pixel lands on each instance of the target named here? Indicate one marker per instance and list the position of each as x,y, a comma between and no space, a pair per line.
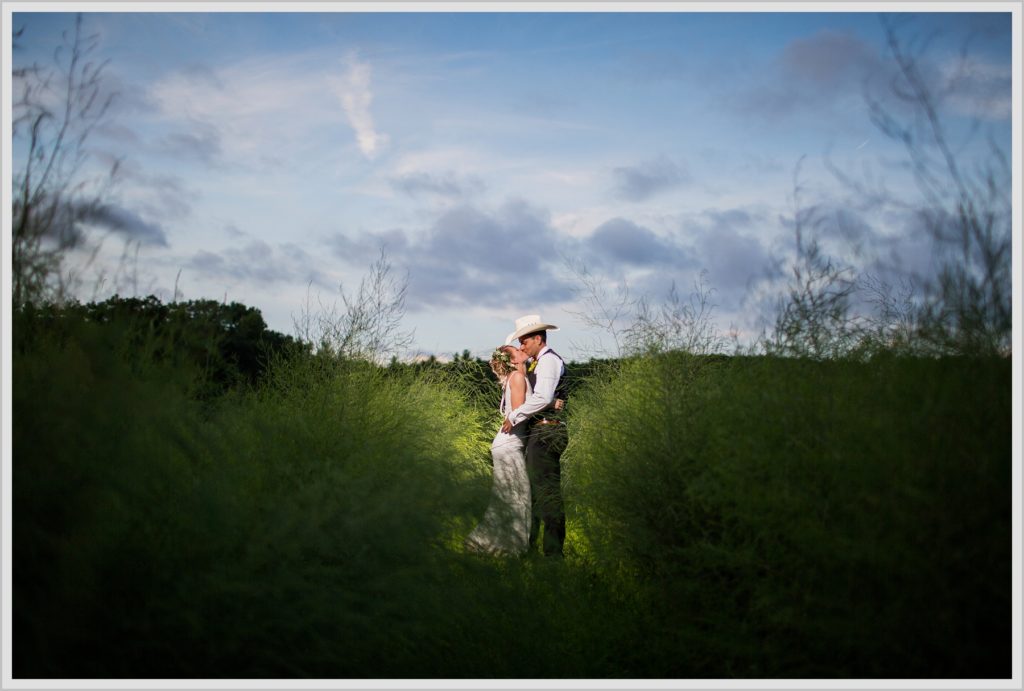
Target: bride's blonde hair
501,361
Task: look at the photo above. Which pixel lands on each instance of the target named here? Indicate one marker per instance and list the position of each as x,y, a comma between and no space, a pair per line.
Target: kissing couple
526,452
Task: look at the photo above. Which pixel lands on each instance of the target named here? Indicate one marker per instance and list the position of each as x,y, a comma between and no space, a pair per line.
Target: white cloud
356,95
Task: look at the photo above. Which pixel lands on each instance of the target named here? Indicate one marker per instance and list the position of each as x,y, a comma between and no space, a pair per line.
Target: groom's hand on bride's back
506,426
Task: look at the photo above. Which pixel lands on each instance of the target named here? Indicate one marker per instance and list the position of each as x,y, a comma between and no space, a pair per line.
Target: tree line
229,346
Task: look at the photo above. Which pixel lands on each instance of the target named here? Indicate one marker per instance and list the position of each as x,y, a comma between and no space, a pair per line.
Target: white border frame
8,8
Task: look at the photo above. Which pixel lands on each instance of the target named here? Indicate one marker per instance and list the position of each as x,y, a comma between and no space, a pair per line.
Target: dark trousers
544,449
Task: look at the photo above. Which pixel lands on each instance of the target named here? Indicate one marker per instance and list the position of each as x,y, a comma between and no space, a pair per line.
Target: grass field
747,517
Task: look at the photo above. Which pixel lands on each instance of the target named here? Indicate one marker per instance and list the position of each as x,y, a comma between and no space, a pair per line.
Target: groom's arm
548,372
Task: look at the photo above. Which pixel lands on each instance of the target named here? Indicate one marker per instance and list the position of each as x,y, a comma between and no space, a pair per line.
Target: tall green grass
751,517
157,536
790,518
307,528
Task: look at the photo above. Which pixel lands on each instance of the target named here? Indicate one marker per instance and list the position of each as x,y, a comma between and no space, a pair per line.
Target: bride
505,528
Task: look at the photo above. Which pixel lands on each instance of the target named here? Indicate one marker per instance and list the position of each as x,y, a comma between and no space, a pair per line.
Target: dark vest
561,391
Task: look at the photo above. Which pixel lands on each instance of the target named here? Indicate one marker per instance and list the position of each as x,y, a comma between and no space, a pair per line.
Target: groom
547,433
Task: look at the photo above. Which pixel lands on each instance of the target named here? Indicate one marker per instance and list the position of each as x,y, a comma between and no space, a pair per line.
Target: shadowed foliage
728,517
794,518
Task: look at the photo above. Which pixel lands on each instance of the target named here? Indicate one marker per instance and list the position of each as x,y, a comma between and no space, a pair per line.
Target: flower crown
503,357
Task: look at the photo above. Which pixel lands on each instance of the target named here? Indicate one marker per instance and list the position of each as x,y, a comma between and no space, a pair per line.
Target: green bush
803,519
157,536
744,517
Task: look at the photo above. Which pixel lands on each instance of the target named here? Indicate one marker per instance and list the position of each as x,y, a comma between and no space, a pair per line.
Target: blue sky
267,157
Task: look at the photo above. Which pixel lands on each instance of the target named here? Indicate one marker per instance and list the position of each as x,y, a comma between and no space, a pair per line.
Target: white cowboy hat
528,325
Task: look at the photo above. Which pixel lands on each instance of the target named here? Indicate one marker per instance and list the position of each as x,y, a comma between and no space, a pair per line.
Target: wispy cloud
979,89
246,113
812,73
202,143
831,60
356,95
259,262
639,182
446,184
165,196
127,223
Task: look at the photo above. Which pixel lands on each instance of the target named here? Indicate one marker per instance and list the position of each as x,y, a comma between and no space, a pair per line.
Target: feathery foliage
793,518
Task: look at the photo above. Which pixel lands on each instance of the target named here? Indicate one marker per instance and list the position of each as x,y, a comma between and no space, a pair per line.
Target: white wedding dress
505,528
